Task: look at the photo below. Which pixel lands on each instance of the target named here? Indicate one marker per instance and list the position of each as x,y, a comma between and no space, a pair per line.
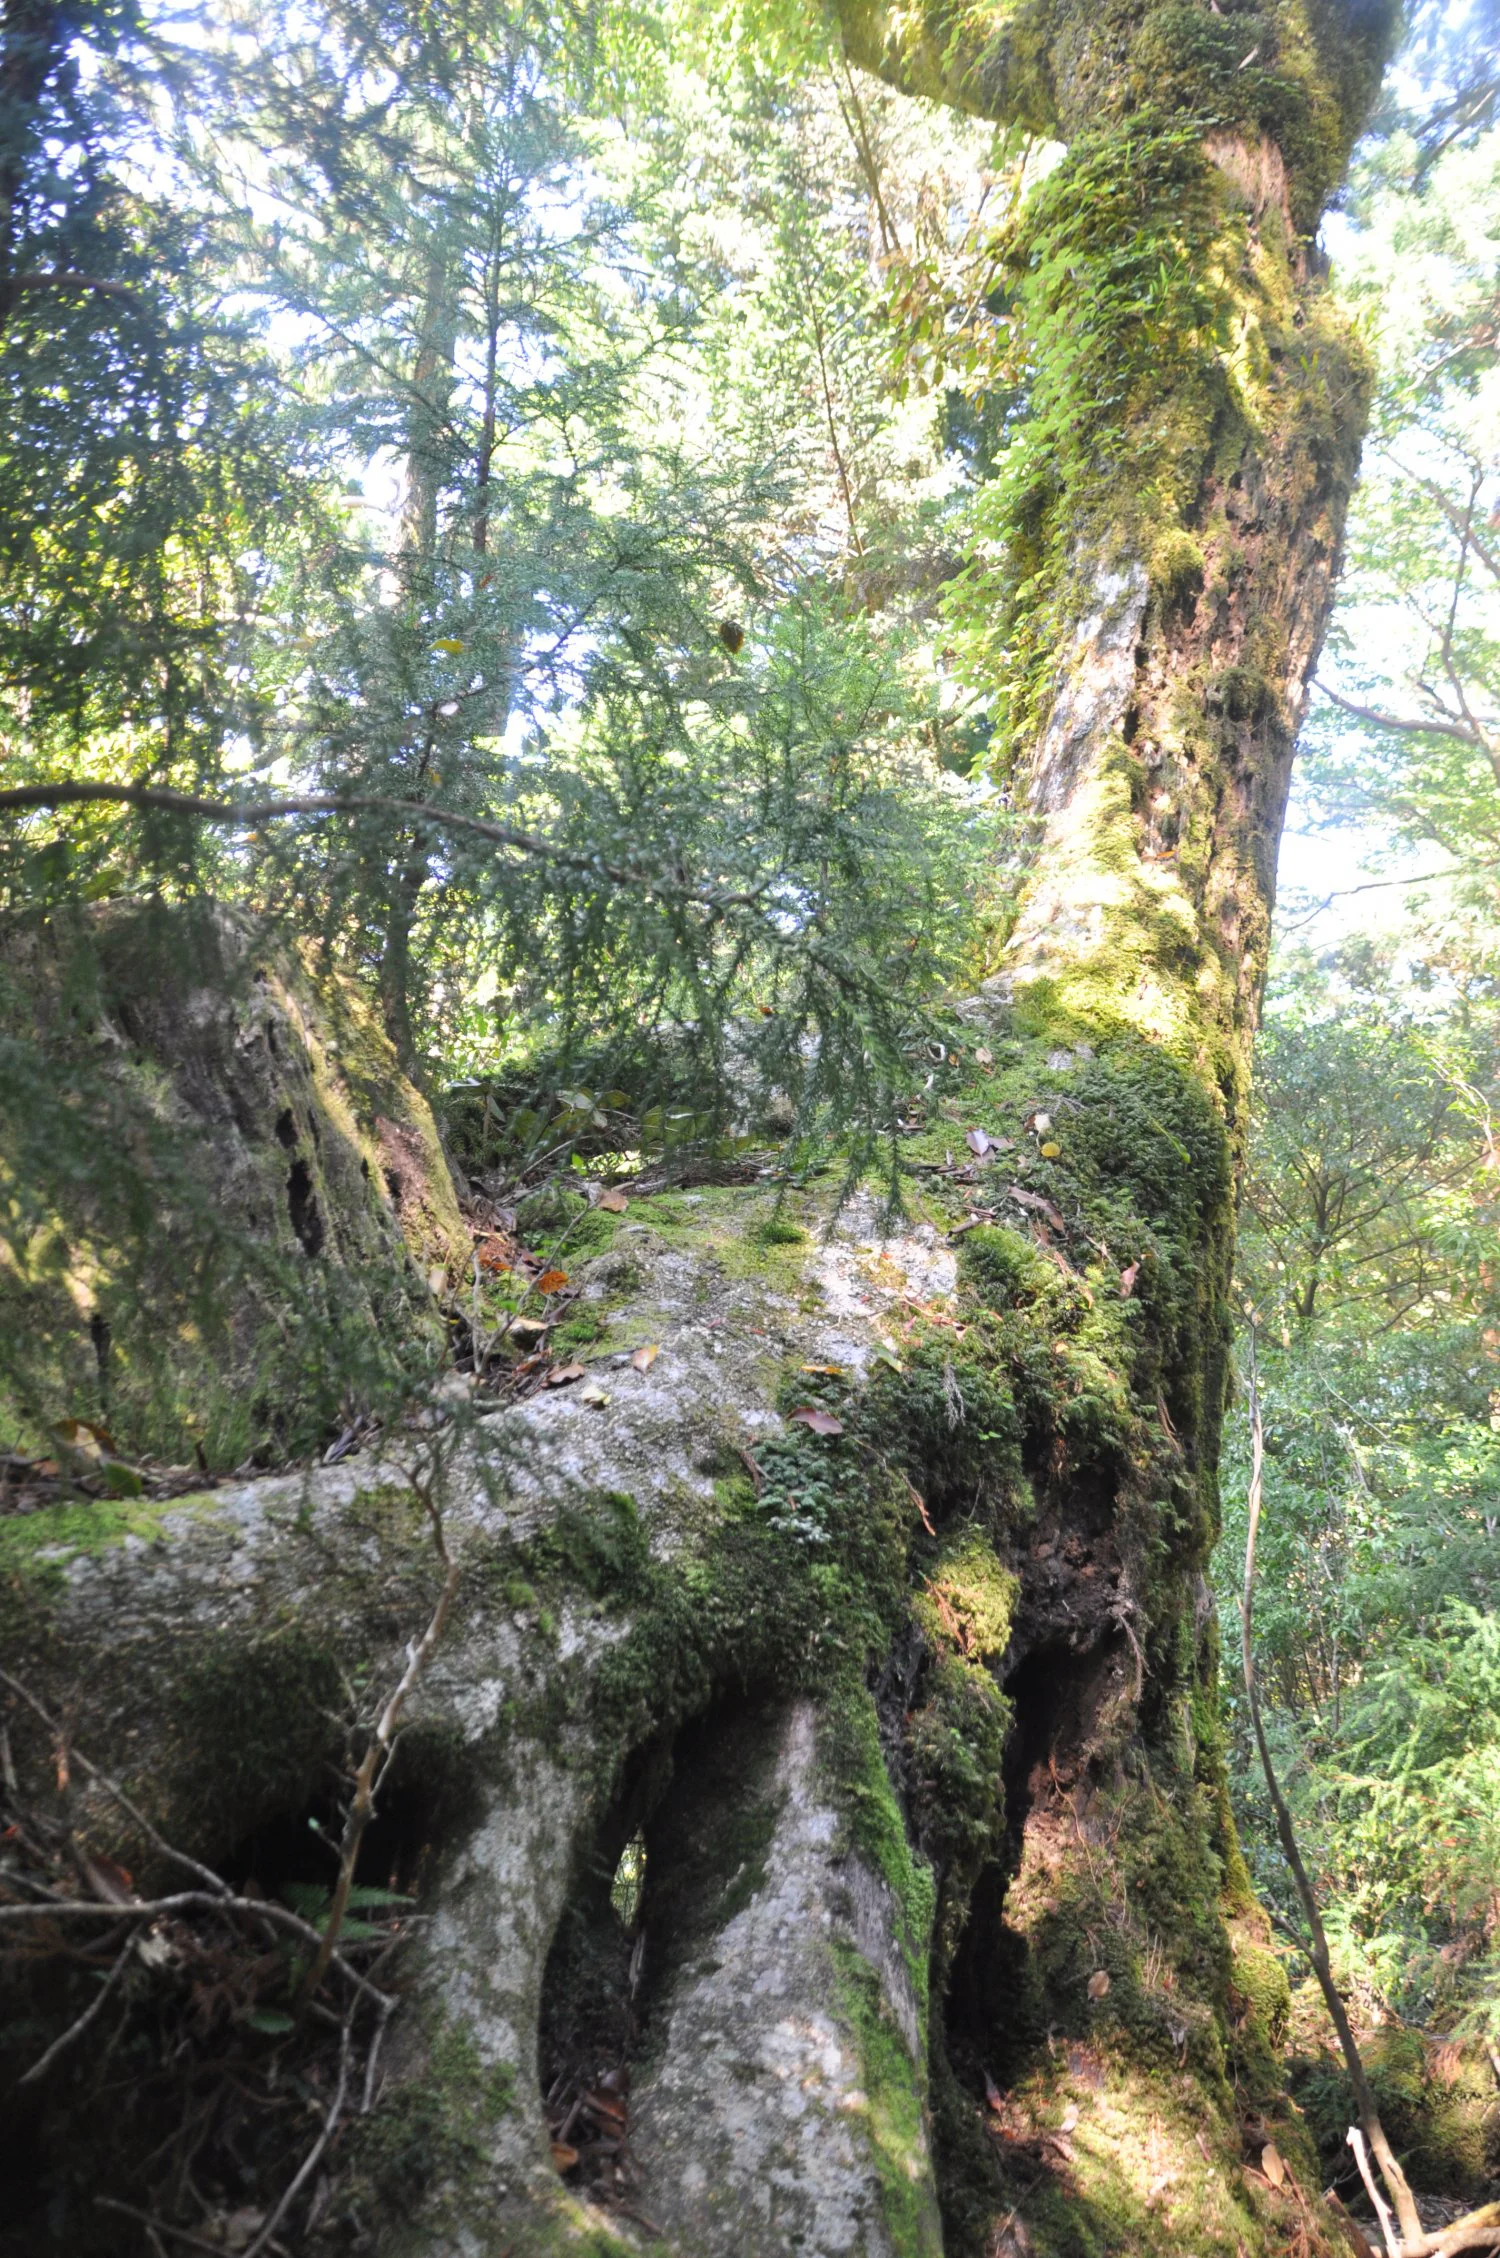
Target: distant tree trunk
827,1839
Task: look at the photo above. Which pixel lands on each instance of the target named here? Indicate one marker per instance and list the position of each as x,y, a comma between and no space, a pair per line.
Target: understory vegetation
1367,1238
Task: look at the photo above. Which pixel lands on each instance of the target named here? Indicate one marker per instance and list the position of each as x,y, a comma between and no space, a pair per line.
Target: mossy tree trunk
839,1801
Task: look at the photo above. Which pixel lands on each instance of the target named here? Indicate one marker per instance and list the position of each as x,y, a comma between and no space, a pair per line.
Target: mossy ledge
986,1581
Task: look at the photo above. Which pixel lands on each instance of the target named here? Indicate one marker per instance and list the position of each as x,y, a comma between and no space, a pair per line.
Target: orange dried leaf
646,1356
561,1373
552,1281
613,1201
1098,1983
563,2156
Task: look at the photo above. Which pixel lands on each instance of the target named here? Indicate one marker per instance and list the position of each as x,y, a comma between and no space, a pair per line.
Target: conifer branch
239,813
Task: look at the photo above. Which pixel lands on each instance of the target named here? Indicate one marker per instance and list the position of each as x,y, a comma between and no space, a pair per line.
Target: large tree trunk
943,1941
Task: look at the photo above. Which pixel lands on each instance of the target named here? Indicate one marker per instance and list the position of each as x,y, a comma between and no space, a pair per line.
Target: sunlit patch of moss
892,2091
38,1545
856,1766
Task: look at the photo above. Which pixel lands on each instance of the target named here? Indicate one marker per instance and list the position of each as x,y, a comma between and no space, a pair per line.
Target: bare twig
154,2226
1381,2208
112,1788
1412,2234
1464,733
362,1802
76,2029
367,2098
184,1901
311,2160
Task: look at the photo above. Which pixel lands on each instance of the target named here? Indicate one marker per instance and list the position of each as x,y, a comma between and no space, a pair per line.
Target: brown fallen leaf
1034,1200
821,1422
1272,2165
1098,1983
560,1375
552,1281
527,1329
613,1201
646,1356
1128,1277
563,2156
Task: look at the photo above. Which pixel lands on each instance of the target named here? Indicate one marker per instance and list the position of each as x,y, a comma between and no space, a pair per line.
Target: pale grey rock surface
754,2128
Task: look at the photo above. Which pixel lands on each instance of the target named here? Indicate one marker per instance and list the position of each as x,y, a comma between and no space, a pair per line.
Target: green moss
580,1331
39,1545
856,1767
1003,1268
428,2128
969,1599
1177,564
1260,2004
893,2115
779,1231
802,1581
1436,2101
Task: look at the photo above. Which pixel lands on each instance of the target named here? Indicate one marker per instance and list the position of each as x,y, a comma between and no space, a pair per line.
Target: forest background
613,434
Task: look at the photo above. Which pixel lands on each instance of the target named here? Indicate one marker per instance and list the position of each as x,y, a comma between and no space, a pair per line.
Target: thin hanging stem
1413,2236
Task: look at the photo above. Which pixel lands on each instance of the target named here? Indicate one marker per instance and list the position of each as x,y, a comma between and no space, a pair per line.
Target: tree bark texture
843,1803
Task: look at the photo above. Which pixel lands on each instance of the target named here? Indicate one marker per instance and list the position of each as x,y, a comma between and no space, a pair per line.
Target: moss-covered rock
263,1245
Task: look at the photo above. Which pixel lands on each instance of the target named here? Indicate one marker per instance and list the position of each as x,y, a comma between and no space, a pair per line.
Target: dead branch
1413,2237
112,1788
258,1908
76,2029
310,2161
377,1754
155,2227
1378,2203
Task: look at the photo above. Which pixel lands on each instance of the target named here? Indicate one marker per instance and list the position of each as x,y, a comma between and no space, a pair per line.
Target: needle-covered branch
243,814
